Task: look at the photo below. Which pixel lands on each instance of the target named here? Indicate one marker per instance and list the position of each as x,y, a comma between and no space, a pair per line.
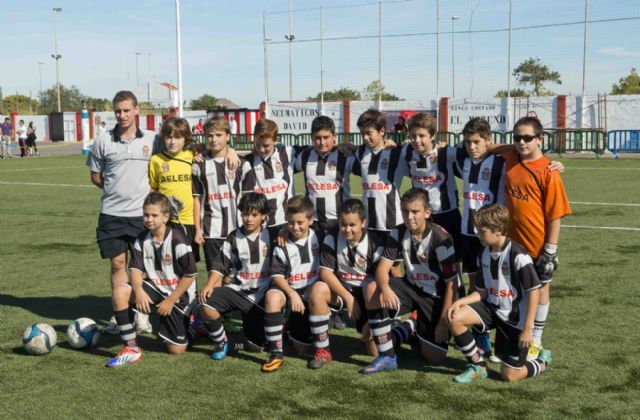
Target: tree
71,100
515,93
24,105
374,88
99,104
342,94
629,85
205,102
533,72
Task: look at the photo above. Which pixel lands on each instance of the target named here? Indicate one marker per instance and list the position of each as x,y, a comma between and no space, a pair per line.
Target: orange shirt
530,208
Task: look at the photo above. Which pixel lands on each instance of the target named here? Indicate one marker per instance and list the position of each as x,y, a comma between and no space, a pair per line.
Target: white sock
538,324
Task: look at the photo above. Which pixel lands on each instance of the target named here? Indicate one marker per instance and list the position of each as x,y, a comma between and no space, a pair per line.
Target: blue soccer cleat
380,364
220,351
126,356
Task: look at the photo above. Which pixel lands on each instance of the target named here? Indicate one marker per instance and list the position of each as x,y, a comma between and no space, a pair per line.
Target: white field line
592,168
38,169
605,204
42,184
602,227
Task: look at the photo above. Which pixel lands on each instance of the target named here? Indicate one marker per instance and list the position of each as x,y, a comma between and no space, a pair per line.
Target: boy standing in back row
537,201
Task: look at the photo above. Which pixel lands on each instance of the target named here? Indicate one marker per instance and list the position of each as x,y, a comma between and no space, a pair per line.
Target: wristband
550,248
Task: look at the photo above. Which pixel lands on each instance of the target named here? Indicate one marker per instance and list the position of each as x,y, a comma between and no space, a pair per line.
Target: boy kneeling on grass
505,298
162,270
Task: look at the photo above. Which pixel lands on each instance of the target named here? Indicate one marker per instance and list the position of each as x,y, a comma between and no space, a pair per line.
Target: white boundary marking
592,168
38,169
602,227
605,204
42,184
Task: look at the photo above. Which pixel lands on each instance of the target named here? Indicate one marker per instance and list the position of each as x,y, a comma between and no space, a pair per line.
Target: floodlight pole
584,47
40,64
453,57
509,72
57,56
321,61
290,38
379,54
266,62
179,53
437,52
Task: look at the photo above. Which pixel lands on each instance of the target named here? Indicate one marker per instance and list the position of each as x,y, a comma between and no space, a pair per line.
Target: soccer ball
39,338
83,332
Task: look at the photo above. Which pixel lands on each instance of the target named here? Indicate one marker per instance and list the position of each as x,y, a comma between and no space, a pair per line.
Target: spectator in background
198,129
233,127
400,126
6,138
31,139
22,138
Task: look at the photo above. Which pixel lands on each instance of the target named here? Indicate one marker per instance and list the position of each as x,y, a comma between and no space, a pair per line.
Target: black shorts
471,247
451,221
173,328
298,324
358,295
412,298
212,247
116,234
190,232
507,336
227,299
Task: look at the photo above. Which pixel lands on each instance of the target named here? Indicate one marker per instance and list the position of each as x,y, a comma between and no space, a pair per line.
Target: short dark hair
217,123
124,95
176,127
323,122
532,122
300,204
253,201
372,118
158,199
478,126
494,217
423,120
416,194
353,206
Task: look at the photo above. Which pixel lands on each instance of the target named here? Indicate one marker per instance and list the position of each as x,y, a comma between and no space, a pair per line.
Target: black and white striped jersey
247,258
381,173
483,185
428,263
326,180
351,263
166,263
507,277
435,174
218,190
272,177
298,262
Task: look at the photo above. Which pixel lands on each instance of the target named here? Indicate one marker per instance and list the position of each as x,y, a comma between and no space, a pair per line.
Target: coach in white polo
119,162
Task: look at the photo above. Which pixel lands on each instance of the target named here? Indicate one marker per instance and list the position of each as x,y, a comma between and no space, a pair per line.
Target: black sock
215,329
273,332
124,319
380,324
467,345
401,332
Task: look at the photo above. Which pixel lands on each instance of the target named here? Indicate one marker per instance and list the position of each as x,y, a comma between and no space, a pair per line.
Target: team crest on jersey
332,165
165,167
384,164
433,157
362,262
423,257
166,260
505,268
145,151
486,173
278,166
265,250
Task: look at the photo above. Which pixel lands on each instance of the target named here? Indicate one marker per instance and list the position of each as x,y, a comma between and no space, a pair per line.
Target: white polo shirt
125,169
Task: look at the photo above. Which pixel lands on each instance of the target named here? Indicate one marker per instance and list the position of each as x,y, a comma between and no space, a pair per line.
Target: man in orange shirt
536,200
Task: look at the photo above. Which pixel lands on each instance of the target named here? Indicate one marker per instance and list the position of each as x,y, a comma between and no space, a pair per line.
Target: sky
223,49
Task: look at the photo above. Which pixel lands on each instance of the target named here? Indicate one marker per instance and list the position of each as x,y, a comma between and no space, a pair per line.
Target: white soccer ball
83,332
39,338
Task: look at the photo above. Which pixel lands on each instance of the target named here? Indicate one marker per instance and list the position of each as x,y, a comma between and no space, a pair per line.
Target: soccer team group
286,261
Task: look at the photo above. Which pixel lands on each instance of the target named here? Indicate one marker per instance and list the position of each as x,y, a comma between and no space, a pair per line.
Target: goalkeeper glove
547,262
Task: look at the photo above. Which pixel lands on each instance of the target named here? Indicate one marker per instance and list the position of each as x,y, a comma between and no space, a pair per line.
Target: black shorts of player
412,298
471,247
212,247
190,232
116,234
358,295
298,324
173,328
327,226
274,231
451,222
507,336
227,299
